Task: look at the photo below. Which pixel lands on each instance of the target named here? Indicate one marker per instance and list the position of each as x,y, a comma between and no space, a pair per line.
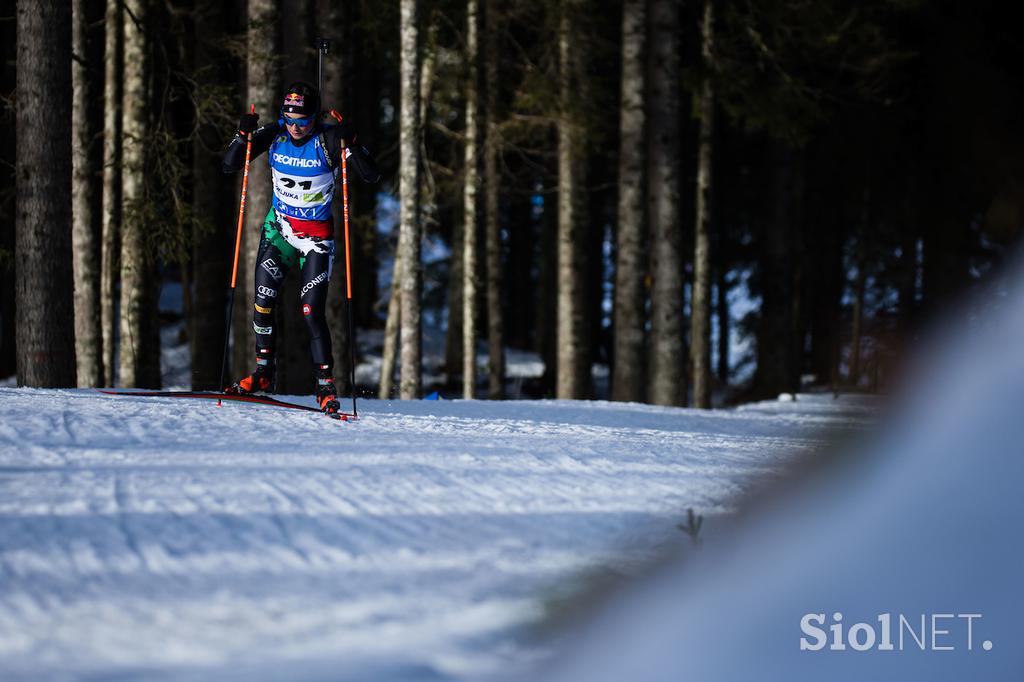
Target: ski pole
323,45
348,270
348,274
234,267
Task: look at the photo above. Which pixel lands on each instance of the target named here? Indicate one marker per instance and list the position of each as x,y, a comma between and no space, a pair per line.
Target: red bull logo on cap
294,99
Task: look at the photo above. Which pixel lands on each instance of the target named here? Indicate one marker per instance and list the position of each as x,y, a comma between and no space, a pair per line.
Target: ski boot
260,381
326,394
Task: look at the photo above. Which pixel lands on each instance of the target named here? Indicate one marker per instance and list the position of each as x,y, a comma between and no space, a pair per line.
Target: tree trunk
428,71
212,240
521,261
775,371
547,297
113,58
140,341
628,377
470,203
45,349
573,377
297,56
391,326
667,380
362,100
453,335
428,207
857,331
907,278
825,281
86,195
724,325
409,237
798,311
8,204
263,89
700,310
294,361
332,19
492,229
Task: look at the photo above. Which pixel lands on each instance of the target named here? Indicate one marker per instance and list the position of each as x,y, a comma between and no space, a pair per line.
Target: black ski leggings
275,259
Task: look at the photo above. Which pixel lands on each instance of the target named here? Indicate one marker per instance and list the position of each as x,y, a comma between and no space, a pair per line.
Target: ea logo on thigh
306,310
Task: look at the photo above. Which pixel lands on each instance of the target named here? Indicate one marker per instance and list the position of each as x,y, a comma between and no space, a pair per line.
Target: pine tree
139,333
45,349
333,18
110,251
211,204
722,314
294,368
409,236
700,330
471,202
264,90
667,380
492,230
389,352
573,378
453,335
86,195
778,349
629,380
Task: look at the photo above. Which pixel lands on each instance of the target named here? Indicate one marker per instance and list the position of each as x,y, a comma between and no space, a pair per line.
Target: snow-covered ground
148,538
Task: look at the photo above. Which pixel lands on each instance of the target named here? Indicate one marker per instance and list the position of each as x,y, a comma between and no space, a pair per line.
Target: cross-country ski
253,398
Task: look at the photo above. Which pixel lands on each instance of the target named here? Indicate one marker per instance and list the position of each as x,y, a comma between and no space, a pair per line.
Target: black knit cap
301,98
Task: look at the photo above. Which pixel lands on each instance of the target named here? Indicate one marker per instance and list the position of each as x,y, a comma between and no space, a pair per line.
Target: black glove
364,165
347,132
247,124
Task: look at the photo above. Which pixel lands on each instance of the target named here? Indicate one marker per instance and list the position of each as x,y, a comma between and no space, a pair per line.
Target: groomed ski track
172,539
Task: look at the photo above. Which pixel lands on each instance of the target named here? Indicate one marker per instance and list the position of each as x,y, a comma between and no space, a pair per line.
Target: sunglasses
300,122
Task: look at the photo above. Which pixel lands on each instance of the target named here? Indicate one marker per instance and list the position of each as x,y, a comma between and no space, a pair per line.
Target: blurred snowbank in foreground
922,522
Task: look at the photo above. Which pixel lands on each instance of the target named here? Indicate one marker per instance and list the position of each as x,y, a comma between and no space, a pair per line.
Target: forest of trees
668,202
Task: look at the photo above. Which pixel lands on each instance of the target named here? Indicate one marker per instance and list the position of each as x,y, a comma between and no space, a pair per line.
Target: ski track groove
292,500
122,504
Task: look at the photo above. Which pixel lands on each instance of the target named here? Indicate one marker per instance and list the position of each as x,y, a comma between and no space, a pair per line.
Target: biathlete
304,156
